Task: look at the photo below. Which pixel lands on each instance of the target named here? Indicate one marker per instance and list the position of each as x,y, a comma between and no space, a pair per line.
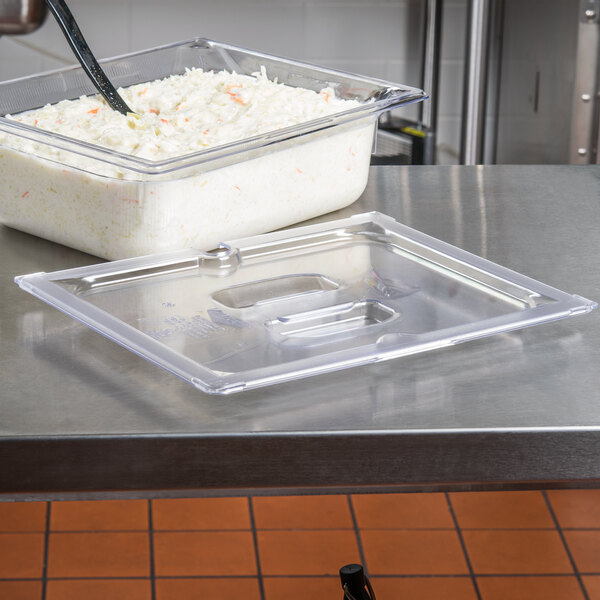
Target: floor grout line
94,531
308,529
151,551
305,576
566,545
46,551
463,546
239,530
361,552
261,585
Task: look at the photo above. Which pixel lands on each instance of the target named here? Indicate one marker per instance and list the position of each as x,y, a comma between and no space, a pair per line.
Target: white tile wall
379,38
270,26
17,60
355,31
453,36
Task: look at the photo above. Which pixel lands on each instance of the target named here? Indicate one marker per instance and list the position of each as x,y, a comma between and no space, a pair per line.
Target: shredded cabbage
186,113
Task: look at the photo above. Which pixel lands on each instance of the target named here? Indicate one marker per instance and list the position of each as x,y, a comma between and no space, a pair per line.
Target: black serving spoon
84,55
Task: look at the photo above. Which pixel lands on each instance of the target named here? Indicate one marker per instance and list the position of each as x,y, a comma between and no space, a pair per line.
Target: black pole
355,584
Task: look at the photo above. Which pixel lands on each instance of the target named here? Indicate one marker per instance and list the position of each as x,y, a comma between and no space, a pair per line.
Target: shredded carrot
35,122
326,96
153,110
24,194
187,120
234,97
164,121
237,187
94,111
299,171
233,85
143,92
205,132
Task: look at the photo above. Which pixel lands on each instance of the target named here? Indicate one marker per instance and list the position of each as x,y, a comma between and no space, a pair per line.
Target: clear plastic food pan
300,302
115,205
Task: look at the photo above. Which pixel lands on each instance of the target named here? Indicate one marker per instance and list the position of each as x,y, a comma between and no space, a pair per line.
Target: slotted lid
299,302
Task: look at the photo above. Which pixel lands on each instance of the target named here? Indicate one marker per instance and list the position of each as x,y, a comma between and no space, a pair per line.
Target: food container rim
389,96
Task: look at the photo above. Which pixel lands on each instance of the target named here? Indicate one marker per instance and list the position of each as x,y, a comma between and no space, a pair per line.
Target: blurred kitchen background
512,81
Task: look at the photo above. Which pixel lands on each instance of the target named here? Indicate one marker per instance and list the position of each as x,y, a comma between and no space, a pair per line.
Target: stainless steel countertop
82,416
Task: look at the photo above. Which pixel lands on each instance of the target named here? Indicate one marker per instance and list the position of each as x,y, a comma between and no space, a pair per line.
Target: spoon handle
84,55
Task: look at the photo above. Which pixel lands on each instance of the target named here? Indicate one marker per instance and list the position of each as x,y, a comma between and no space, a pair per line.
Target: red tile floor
472,545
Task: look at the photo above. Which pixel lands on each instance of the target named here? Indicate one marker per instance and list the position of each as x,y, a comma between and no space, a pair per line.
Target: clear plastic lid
295,303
